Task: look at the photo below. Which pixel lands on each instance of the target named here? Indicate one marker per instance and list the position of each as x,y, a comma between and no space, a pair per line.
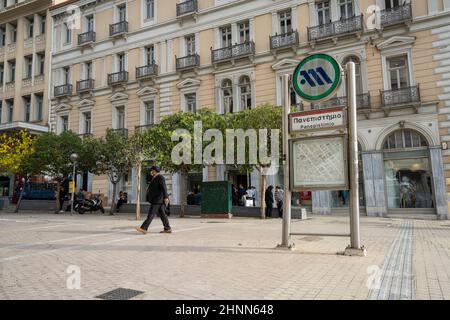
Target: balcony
85,135
237,51
146,71
118,29
122,131
141,129
286,40
396,15
86,38
336,29
362,102
400,97
187,7
117,78
85,85
188,62
62,91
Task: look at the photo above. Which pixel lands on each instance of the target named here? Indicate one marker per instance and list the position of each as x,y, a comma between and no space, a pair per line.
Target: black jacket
268,197
157,190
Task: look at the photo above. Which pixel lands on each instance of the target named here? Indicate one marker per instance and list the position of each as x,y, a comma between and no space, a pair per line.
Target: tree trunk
58,187
16,210
262,191
182,206
138,195
113,200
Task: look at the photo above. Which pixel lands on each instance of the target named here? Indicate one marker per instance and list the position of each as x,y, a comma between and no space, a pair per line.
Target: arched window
405,139
245,92
227,96
359,84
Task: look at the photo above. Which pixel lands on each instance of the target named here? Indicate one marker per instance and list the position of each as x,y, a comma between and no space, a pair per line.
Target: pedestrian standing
62,198
268,197
254,195
159,199
234,195
279,198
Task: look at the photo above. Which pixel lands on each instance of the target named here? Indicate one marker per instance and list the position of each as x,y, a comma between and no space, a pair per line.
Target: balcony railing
335,29
188,62
85,135
410,95
121,131
285,40
85,38
147,71
118,28
362,102
187,7
144,127
396,15
85,85
233,52
64,90
118,78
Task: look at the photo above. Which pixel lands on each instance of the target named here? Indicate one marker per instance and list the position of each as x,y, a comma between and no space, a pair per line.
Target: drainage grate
120,294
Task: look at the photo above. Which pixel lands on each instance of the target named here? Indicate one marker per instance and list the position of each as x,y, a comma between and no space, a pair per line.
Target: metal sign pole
355,243
287,192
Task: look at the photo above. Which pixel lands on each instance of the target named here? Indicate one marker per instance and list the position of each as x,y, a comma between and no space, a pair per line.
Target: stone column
205,174
220,172
176,188
374,184
437,169
321,202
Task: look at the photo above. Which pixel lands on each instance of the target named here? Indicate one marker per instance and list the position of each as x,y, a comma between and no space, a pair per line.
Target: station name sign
326,119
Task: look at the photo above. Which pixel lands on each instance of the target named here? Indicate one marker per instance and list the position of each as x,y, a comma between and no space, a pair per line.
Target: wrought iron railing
284,40
63,90
147,71
144,127
85,85
118,28
362,102
188,62
400,96
86,37
118,77
121,131
337,28
187,7
233,52
396,15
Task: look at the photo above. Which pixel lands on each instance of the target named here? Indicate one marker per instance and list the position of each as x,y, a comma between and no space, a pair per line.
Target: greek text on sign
317,120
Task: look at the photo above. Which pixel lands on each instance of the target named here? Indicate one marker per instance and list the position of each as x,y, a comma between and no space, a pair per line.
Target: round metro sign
317,78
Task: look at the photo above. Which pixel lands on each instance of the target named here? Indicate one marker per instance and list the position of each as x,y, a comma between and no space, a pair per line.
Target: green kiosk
216,199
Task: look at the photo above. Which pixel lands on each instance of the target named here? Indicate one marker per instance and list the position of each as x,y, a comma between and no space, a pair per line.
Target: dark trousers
154,210
254,204
269,207
280,208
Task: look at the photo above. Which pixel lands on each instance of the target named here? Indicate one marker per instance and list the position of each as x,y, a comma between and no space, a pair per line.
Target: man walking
279,198
158,197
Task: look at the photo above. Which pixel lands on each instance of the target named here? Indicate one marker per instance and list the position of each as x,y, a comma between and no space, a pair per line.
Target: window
41,63
190,45
226,36
149,9
39,107
404,139
121,62
191,102
122,13
285,22
30,28
359,84
398,72
244,32
66,75
64,123
2,37
86,122
27,109
149,55
323,12
2,73
28,66
1,111
149,112
227,95
12,71
90,23
43,18
10,109
120,117
346,8
245,92
67,34
14,34
88,70
392,3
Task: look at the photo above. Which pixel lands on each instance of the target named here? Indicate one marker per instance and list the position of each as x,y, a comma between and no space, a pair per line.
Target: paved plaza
48,256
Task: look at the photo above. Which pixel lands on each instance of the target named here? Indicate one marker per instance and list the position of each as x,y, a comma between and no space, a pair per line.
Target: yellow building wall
102,21
303,22
206,42
263,31
206,93
166,10
265,84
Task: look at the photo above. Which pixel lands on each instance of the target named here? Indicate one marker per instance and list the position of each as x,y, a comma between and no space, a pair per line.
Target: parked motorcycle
94,204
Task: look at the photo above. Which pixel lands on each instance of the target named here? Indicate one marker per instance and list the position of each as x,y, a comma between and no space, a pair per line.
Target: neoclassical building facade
124,64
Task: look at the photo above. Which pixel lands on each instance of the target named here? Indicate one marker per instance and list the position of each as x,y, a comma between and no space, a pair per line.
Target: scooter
89,205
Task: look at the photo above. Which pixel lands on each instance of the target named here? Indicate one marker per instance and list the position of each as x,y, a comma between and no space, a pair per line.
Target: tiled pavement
220,259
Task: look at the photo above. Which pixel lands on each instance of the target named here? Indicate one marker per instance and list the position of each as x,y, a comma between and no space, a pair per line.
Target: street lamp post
74,158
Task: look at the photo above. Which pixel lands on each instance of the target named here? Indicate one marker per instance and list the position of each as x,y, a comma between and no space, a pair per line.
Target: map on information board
319,164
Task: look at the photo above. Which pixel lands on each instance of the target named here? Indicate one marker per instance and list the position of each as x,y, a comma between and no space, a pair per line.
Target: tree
113,159
51,157
14,148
